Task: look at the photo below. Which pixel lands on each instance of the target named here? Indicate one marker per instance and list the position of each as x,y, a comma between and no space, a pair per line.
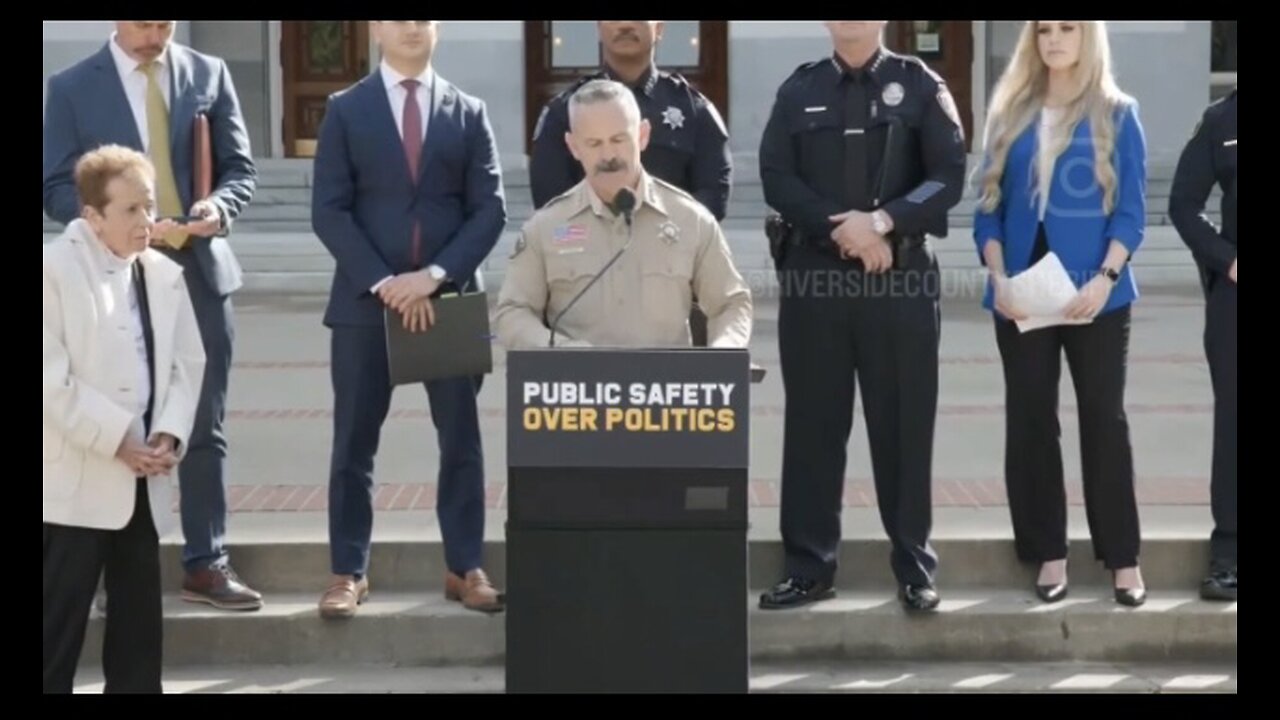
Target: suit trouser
362,398
202,473
838,324
1220,346
1032,364
74,558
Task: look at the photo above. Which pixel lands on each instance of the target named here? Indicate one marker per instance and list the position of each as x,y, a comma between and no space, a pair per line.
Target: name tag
1230,143
815,109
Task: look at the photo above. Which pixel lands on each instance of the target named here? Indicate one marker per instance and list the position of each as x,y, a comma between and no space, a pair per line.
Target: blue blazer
1078,230
87,107
364,203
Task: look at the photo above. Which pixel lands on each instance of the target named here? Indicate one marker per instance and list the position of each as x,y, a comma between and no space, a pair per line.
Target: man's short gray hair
602,91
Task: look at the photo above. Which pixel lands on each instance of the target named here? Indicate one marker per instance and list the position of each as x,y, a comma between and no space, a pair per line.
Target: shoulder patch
710,109
542,119
948,104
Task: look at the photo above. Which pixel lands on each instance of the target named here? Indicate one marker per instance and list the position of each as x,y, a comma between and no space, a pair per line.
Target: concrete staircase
988,613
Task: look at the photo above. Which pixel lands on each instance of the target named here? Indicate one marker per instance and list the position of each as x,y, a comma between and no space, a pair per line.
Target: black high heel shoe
1051,593
1130,597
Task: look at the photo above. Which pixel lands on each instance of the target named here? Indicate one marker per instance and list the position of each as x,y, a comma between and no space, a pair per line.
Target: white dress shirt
398,96
135,86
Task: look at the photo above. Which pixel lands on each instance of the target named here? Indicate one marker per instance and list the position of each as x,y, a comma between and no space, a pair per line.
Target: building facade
284,69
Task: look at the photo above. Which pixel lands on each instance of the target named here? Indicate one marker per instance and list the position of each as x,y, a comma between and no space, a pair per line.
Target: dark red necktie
412,141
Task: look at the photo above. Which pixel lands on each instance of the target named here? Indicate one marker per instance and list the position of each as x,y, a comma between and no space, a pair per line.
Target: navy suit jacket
87,107
364,203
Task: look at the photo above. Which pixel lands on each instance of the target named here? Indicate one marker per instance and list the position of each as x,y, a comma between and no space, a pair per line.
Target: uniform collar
645,84
646,194
869,70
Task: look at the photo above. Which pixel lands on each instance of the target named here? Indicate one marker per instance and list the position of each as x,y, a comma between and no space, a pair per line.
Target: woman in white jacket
123,363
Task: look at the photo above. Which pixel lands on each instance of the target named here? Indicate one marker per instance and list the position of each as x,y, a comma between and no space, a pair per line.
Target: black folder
458,345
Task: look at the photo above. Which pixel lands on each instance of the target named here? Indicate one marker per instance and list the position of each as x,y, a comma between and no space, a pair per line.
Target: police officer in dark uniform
688,142
1208,159
863,154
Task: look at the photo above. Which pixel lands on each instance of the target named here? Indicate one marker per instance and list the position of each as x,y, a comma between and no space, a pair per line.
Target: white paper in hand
1042,292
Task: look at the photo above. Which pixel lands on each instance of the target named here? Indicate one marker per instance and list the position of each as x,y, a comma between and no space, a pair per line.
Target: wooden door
318,58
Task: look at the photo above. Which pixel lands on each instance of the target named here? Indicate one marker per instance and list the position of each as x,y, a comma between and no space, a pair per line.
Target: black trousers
1220,347
1098,356
74,558
838,325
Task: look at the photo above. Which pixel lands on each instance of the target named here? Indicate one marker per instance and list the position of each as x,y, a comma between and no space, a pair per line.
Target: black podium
627,520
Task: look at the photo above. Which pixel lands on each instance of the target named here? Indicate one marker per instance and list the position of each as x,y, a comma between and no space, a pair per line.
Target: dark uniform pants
1220,346
836,325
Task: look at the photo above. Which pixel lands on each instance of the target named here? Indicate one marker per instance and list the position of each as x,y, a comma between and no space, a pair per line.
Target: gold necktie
167,199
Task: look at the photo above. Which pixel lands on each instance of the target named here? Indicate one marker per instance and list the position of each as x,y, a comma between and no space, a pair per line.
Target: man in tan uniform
676,250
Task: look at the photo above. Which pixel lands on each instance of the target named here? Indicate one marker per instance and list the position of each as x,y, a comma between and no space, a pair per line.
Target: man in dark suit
408,198
144,91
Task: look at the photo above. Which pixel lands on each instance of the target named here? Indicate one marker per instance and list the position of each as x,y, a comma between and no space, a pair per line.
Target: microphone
624,204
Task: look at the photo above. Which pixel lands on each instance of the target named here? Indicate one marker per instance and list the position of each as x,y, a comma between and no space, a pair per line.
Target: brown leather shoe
220,587
344,596
475,592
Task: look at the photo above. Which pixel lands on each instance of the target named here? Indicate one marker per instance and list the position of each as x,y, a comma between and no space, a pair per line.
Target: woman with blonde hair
1064,172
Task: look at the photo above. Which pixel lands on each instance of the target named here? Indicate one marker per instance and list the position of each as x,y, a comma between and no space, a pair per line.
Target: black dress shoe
1051,593
919,597
795,591
1219,585
1132,597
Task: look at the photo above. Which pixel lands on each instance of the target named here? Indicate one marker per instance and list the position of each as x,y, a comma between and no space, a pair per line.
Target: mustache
612,165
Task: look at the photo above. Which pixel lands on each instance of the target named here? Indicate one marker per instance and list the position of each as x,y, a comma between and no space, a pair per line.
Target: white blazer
90,370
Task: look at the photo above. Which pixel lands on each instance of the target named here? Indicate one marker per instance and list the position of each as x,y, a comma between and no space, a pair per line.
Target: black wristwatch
1111,274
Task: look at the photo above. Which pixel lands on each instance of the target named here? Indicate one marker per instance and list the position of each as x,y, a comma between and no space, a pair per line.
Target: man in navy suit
408,199
141,87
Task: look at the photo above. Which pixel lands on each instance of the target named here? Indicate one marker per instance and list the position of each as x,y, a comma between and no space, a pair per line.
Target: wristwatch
879,222
437,273
1111,274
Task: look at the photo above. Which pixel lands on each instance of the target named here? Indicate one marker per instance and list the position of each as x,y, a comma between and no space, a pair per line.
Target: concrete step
765,677
421,628
302,565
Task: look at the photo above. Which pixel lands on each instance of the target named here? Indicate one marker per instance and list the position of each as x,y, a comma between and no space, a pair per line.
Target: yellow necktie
167,199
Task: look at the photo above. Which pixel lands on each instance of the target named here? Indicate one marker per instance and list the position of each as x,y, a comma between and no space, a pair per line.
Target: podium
627,520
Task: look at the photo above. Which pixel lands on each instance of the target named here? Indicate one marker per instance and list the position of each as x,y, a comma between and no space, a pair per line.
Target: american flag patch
567,234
